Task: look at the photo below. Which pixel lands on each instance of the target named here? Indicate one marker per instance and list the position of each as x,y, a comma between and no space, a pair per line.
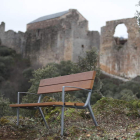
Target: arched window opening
121,35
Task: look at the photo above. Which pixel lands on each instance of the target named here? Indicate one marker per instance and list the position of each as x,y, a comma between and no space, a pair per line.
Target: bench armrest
18,96
27,93
88,97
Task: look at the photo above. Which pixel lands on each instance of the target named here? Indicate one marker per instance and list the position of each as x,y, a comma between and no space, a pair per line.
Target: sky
17,13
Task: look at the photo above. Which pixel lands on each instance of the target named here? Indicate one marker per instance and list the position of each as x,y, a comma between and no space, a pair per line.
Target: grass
137,135
111,115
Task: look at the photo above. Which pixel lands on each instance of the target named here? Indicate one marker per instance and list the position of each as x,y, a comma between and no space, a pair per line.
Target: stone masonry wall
12,39
43,24
67,37
121,60
84,40
54,21
54,40
64,41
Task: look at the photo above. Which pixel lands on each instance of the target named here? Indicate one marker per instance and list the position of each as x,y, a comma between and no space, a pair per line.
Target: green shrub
127,94
27,72
139,104
3,121
135,104
5,110
4,51
120,90
1,79
50,113
12,79
137,135
88,61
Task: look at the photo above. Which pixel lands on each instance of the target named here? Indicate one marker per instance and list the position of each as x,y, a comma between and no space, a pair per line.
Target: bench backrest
82,80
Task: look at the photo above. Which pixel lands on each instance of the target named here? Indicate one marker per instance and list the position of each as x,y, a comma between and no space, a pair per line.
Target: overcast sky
17,13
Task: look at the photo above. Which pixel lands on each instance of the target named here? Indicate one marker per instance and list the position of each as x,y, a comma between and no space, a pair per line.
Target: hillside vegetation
15,73
115,103
117,119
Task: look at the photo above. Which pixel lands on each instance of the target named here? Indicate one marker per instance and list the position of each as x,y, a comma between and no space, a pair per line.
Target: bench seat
46,104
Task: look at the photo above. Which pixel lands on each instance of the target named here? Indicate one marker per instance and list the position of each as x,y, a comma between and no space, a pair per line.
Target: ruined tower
12,39
117,56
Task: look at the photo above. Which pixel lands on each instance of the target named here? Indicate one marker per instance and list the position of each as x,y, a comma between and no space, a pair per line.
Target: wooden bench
73,82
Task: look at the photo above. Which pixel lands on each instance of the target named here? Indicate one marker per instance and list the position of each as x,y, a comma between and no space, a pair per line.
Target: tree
14,73
89,61
138,15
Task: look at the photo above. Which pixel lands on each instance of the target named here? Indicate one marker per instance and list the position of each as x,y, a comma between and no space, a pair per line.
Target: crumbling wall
64,41
12,39
120,59
46,46
84,40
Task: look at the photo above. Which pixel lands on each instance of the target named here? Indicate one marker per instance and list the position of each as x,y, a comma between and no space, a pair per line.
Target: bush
127,94
5,110
27,73
12,79
120,90
4,51
89,61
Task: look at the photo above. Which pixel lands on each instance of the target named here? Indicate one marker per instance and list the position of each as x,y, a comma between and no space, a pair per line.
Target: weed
137,135
3,121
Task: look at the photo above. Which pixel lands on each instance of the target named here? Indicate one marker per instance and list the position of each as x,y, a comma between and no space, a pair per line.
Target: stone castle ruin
65,36
12,39
120,56
61,36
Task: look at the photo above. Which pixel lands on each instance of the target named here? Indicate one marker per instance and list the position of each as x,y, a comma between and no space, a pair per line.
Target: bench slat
36,104
69,103
79,104
68,78
58,88
46,104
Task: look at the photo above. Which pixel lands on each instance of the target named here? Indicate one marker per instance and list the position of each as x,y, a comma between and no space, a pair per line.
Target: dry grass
118,120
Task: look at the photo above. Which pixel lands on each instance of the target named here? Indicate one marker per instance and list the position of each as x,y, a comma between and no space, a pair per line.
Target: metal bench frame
87,105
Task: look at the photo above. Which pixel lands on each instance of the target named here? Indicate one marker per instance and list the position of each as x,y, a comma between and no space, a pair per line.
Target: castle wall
42,24
84,40
121,60
47,46
54,21
67,37
63,41
12,39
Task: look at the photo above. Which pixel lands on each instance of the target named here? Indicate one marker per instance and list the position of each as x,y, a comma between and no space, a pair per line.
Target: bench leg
62,121
41,112
17,116
92,115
